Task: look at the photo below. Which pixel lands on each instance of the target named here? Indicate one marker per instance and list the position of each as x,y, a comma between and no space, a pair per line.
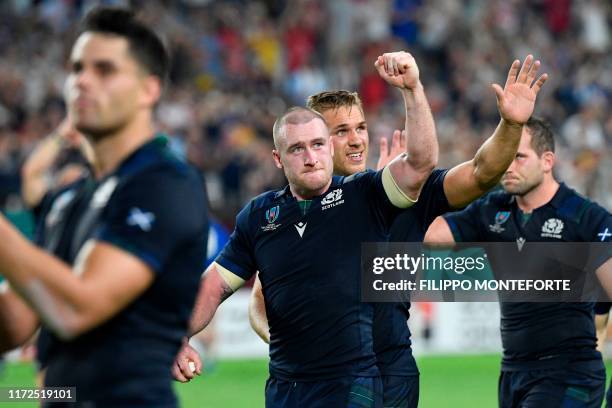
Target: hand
68,133
517,100
398,146
180,369
399,69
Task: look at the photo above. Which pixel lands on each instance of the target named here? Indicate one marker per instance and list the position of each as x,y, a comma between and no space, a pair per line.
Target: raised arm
257,312
412,168
468,181
35,170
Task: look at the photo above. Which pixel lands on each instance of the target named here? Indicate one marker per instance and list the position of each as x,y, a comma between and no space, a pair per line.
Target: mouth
356,157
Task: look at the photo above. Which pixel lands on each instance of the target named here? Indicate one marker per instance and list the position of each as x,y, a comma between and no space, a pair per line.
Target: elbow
487,177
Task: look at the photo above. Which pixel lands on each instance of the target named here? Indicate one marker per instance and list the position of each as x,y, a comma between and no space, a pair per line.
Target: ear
151,90
277,160
548,161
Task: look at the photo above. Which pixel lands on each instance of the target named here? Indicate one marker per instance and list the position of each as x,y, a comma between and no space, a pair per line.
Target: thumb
499,92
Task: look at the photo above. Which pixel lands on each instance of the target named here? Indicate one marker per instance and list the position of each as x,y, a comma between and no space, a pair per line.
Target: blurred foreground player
550,357
115,284
443,191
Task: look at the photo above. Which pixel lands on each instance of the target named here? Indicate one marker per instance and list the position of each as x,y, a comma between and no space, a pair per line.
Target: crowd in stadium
238,64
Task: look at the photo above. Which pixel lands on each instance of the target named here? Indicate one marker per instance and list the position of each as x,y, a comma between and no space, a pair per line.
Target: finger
403,140
514,68
499,92
396,70
382,147
176,373
184,367
388,66
538,84
533,72
522,76
198,365
380,66
395,140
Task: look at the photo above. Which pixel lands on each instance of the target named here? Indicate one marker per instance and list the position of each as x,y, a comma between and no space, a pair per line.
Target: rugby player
321,341
549,349
443,191
113,283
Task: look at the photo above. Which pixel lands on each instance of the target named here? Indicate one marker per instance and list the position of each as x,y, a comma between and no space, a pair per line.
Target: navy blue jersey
309,266
392,343
538,335
154,207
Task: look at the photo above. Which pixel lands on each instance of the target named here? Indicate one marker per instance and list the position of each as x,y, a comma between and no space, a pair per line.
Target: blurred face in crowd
528,169
349,133
106,88
304,152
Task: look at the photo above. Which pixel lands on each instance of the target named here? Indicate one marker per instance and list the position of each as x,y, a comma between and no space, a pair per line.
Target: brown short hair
542,139
333,100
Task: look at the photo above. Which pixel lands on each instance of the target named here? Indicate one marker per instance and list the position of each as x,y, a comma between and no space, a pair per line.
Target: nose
310,158
82,79
354,139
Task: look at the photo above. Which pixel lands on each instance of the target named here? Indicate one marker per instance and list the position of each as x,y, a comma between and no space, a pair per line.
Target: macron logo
141,219
301,227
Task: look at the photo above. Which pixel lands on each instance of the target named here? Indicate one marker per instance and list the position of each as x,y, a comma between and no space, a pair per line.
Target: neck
539,196
112,149
303,194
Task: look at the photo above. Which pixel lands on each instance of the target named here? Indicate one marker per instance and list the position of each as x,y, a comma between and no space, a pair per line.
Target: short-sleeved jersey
309,264
153,207
392,343
538,335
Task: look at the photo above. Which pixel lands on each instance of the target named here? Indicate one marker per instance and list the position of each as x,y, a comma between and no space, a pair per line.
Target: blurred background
238,64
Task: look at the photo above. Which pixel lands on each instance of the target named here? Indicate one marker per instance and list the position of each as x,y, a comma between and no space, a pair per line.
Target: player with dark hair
115,279
550,357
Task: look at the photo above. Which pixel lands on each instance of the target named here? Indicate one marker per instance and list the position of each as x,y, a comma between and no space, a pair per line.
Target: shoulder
580,209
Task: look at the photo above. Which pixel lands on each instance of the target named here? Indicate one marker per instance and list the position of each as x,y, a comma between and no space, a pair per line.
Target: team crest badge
500,218
552,228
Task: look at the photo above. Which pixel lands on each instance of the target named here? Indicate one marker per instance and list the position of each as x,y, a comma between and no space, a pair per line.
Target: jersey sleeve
599,231
432,200
465,224
238,255
371,183
154,214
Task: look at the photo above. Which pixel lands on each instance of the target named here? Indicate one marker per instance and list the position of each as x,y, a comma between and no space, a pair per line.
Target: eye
341,132
361,129
76,67
318,144
297,149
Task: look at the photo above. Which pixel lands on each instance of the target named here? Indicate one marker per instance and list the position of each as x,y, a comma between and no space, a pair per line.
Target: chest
74,216
540,226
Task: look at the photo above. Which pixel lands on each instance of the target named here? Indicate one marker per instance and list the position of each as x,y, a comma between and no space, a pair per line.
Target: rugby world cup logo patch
500,218
272,214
